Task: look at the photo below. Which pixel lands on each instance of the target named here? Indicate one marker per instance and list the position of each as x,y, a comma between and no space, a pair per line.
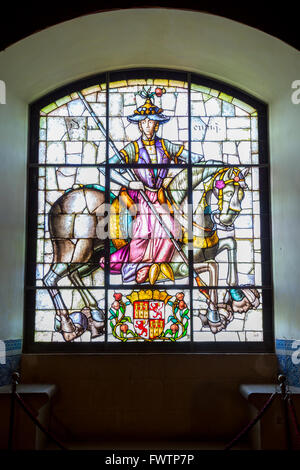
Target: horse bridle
220,183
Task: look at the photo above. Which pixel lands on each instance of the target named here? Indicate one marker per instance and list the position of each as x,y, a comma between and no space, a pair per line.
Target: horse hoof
98,315
216,327
71,335
225,312
79,320
253,296
203,319
96,328
244,299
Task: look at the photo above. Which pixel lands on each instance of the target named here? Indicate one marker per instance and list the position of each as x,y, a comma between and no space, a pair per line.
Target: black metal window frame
186,347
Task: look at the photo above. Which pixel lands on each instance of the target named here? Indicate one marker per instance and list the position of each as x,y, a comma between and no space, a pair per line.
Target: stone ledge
32,389
248,390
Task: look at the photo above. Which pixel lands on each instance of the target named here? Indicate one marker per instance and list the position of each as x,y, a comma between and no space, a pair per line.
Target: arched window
148,217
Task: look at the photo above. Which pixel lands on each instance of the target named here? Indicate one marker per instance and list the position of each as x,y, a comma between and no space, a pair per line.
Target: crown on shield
149,295
148,110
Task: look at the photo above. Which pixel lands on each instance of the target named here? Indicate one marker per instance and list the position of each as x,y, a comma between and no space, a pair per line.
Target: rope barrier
294,417
30,412
37,423
288,404
252,423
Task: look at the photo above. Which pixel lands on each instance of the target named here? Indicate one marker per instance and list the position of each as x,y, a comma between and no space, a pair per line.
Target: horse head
228,187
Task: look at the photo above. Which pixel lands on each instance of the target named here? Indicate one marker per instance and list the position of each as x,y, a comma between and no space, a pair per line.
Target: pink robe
150,243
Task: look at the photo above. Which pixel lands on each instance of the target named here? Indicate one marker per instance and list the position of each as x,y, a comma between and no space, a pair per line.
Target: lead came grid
72,155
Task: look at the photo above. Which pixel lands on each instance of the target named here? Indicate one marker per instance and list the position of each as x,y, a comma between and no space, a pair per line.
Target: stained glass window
148,217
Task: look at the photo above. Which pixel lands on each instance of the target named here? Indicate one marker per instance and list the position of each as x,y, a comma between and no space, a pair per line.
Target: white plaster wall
234,53
13,155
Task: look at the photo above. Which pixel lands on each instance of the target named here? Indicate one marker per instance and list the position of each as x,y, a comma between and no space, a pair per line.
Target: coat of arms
149,315
149,318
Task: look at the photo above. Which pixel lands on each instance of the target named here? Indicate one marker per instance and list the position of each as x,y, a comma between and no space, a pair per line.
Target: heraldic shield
149,318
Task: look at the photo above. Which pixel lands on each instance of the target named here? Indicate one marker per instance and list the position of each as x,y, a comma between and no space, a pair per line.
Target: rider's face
147,126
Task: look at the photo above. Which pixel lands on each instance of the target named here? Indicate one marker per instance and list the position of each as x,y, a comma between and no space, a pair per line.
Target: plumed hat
148,110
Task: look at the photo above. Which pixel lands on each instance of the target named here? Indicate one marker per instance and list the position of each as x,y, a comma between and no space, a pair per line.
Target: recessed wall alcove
158,396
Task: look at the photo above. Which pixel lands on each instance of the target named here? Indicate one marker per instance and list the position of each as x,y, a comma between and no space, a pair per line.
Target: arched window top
150,223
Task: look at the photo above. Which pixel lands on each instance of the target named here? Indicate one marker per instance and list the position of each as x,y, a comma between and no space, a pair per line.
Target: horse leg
239,299
82,254
212,268
56,272
229,244
94,315
73,238
214,318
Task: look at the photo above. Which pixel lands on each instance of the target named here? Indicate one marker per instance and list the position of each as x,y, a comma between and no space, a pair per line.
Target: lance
133,176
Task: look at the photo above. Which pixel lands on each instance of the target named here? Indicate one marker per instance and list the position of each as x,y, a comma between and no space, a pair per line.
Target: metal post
283,388
15,381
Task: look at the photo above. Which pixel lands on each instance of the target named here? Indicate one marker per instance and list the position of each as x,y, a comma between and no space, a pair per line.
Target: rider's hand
137,185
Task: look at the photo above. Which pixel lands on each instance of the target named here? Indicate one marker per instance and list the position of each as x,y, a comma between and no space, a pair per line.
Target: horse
227,186
77,248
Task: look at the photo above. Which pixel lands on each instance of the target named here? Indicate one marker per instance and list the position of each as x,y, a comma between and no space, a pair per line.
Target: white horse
227,185
77,248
